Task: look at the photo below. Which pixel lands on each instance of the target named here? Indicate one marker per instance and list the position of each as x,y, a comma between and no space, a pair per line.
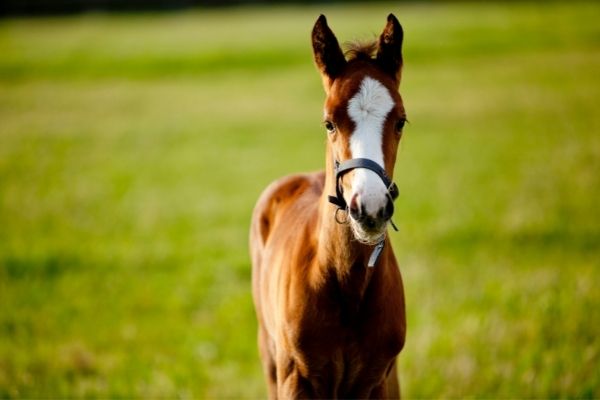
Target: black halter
346,166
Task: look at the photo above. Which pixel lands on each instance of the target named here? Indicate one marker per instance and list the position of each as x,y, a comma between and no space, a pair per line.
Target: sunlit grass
133,147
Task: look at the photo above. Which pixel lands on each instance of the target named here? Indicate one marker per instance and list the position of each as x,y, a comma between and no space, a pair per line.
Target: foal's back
292,198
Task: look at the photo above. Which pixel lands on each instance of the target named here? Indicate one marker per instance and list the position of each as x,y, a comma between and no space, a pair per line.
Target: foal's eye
400,124
330,126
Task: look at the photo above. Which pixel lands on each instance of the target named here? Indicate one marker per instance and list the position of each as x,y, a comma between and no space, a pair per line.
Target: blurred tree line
50,7
45,7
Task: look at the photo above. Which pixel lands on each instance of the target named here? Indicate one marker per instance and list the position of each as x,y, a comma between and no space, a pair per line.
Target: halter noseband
346,166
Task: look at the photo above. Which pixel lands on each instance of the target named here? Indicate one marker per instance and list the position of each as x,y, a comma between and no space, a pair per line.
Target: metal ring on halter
337,219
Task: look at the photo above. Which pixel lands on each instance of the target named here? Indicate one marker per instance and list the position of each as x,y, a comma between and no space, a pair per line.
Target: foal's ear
389,52
328,54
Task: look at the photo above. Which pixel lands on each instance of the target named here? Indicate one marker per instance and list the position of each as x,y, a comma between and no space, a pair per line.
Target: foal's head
364,117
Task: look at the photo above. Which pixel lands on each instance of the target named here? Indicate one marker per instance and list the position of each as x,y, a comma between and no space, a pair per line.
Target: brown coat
329,326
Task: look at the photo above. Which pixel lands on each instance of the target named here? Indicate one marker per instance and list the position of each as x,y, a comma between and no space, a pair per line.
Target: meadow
133,148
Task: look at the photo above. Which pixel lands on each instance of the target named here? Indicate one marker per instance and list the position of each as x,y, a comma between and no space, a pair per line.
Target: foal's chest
345,367
345,349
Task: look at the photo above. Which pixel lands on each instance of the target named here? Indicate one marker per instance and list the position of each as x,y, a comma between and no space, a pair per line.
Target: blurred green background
133,148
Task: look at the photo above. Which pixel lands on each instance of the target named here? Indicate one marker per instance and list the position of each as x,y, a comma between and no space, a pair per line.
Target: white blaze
369,109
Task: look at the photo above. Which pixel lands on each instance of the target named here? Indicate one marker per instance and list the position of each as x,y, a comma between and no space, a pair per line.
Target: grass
133,147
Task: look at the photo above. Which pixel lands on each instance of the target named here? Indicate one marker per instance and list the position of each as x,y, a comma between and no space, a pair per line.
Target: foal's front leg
389,388
268,361
392,383
290,383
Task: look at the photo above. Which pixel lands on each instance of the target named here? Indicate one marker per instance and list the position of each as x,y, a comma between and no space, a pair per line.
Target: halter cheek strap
346,166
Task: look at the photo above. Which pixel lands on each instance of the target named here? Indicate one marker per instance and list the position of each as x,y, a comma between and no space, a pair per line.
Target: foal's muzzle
370,222
373,223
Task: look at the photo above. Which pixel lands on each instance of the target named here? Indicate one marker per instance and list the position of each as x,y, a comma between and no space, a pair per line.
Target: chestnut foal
326,285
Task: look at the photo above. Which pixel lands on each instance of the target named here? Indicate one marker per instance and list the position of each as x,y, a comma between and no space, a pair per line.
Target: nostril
389,210
354,207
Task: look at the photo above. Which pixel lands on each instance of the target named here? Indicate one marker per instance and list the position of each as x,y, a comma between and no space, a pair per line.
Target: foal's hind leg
268,362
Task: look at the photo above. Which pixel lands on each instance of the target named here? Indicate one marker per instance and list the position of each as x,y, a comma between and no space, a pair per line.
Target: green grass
133,147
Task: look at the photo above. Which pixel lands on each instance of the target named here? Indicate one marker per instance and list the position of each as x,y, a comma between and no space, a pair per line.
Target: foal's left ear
389,52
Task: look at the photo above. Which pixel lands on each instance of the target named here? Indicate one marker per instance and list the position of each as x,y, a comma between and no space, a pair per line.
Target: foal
326,285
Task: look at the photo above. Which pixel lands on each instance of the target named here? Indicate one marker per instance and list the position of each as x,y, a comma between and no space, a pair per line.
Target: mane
360,49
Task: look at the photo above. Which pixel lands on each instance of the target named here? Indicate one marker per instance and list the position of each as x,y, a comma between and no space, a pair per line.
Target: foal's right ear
328,54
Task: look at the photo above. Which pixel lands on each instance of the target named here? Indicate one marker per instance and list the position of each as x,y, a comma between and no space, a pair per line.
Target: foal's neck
340,254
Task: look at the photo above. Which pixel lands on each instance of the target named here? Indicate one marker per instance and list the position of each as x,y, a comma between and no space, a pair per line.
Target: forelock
360,50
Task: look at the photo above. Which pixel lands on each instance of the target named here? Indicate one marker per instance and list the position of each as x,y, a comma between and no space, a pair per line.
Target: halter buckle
393,190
